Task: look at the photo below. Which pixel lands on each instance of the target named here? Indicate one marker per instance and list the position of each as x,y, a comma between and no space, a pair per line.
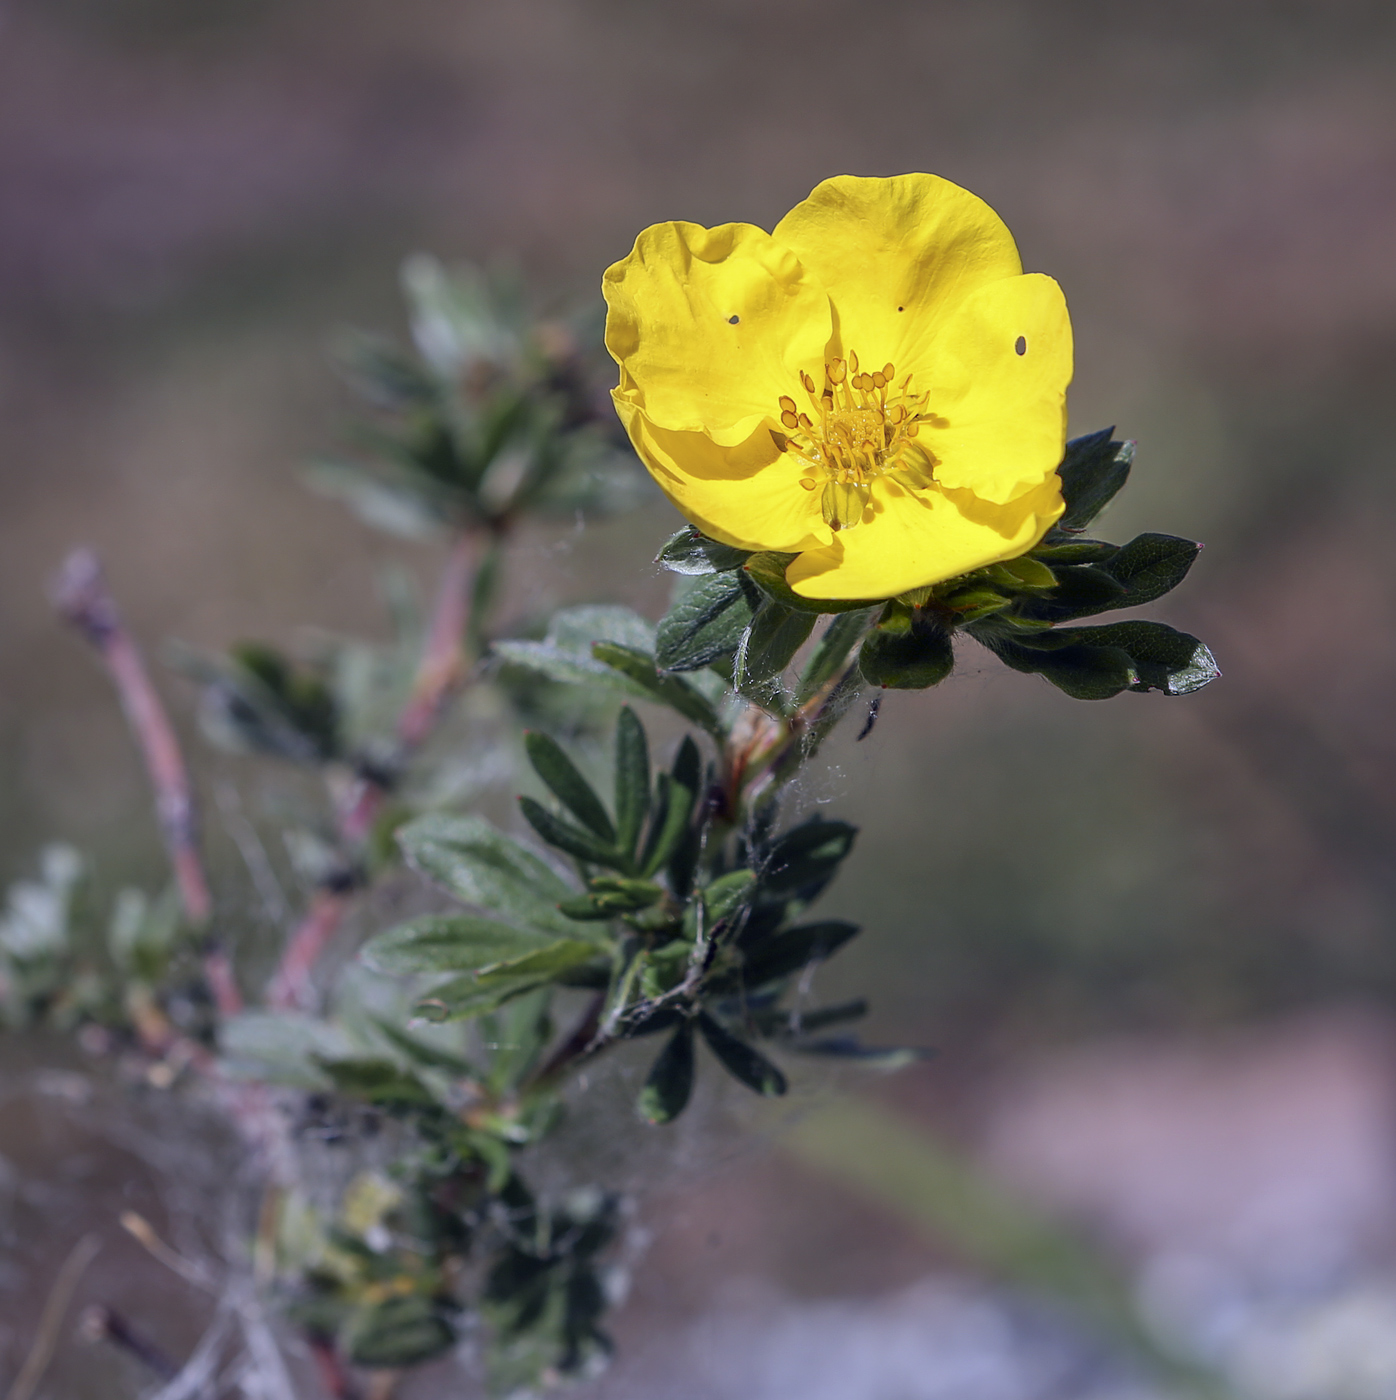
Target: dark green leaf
568,786
673,691
767,571
802,861
377,1081
1083,672
449,943
793,949
1092,471
1165,659
785,1024
692,552
1150,566
916,659
849,1047
632,780
1082,591
831,652
704,624
769,645
1076,552
481,866
565,836
395,1333
741,1060
670,1081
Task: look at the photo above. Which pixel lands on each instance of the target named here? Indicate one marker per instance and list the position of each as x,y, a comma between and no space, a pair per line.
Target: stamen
861,436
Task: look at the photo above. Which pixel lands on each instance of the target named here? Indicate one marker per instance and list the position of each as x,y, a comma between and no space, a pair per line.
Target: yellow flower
876,386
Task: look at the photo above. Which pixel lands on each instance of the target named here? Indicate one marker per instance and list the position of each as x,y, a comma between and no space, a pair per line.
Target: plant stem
440,670
293,987
81,595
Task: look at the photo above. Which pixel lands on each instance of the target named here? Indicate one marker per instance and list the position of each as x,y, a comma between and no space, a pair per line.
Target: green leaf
1092,471
673,691
913,660
422,1053
283,1047
725,893
831,651
632,780
794,949
741,1060
565,653
478,993
767,571
670,1081
556,831
849,1047
395,1333
482,866
802,861
1150,566
377,1081
769,645
448,943
1076,552
1082,590
705,623
567,785
1174,662
1083,672
690,551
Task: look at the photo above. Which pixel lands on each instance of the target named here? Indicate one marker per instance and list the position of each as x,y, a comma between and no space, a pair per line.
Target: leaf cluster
677,924
743,616
490,415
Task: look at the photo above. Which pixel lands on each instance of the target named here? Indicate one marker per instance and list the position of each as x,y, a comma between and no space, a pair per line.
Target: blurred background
1150,939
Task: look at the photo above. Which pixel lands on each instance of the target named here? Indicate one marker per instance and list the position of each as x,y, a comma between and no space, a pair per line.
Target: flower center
861,429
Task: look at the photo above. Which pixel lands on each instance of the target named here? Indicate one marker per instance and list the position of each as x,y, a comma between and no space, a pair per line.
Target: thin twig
55,1309
293,988
143,1232
81,595
103,1324
441,669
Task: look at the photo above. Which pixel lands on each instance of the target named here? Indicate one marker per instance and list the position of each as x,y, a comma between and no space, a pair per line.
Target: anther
879,380
789,419
807,381
787,403
888,373
836,369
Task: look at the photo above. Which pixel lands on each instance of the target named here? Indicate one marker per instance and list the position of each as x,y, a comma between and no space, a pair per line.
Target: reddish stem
292,988
81,595
440,670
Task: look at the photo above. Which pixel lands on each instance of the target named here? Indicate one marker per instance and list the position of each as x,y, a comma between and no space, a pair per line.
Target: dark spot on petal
1021,345
732,321
901,308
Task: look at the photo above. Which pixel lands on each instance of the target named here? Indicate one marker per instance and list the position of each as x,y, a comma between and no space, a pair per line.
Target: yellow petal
997,372
895,254
711,326
918,538
748,496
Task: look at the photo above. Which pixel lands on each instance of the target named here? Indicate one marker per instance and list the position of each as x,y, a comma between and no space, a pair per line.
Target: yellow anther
787,403
879,380
836,369
807,381
888,373
789,419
